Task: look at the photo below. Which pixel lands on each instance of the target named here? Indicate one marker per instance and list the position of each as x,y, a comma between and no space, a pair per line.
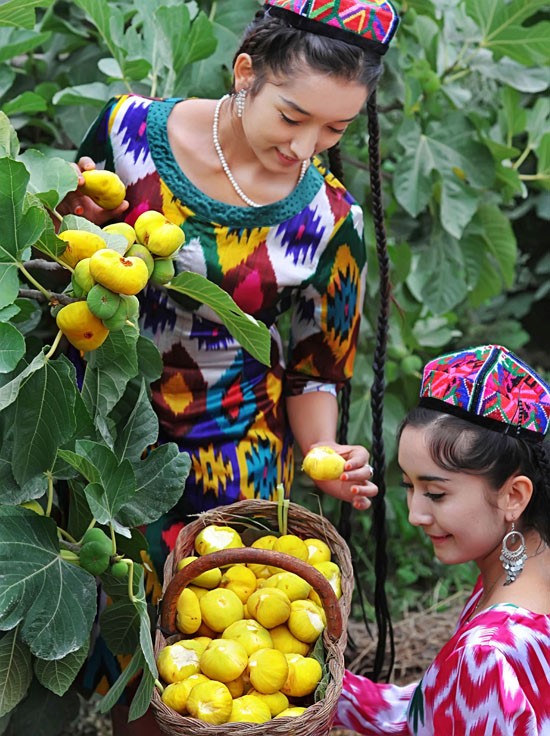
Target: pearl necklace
225,165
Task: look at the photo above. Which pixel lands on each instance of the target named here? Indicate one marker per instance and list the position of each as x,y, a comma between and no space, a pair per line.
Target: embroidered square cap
491,386
370,24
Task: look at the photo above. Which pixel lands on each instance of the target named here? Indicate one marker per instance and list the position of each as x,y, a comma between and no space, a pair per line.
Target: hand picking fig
323,463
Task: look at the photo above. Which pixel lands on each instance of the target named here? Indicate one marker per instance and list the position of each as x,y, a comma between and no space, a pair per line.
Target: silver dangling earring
240,97
513,560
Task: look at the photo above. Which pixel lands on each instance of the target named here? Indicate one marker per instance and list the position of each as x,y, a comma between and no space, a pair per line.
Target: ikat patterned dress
492,678
304,256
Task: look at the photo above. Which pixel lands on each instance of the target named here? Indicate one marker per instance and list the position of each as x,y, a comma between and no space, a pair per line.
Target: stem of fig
65,535
49,505
55,345
33,281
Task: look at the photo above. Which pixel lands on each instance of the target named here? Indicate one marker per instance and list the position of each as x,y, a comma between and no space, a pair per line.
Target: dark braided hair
276,47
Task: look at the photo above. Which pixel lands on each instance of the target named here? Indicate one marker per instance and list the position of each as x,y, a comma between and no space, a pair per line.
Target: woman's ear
515,496
243,72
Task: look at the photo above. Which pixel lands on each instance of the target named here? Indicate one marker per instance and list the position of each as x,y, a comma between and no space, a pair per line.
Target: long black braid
382,613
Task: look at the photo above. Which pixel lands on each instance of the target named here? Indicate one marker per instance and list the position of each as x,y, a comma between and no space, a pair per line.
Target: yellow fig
166,239
268,670
269,606
248,709
210,702
188,612
122,228
176,662
146,222
307,620
293,585
105,188
240,579
286,642
80,244
119,274
220,608
292,712
250,634
323,463
209,579
276,702
81,328
304,674
223,660
175,695
318,550
214,538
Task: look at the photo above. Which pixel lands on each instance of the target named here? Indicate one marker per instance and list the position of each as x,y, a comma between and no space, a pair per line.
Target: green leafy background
465,145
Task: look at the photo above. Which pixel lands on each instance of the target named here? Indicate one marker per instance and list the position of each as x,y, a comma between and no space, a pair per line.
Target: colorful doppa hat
369,24
491,386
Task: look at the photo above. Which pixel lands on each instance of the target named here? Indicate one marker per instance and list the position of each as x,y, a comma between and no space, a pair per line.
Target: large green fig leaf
58,675
53,600
251,334
15,671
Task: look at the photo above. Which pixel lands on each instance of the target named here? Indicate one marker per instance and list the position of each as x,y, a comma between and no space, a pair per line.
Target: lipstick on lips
287,160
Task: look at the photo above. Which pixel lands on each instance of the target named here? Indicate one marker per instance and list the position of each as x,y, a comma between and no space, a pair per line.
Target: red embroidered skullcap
370,24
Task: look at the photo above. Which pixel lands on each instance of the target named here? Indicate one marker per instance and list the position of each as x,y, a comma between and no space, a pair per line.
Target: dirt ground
418,637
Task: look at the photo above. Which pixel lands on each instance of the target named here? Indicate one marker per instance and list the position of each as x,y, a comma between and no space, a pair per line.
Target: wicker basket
317,719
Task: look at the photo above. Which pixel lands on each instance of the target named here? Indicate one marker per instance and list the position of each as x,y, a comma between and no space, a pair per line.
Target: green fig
133,308
81,279
119,569
163,271
102,302
93,558
117,320
95,534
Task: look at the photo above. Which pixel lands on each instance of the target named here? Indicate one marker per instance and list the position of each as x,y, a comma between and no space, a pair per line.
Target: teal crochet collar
200,203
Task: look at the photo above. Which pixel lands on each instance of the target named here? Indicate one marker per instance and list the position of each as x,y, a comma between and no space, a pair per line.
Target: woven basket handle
259,556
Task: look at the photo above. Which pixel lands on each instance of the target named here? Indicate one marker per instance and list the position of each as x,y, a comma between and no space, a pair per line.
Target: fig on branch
138,250
103,303
95,534
162,237
80,244
122,228
132,304
163,271
166,239
81,278
119,569
116,322
81,328
105,188
146,222
121,274
93,558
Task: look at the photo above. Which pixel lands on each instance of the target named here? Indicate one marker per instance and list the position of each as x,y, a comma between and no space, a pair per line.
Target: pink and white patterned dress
492,678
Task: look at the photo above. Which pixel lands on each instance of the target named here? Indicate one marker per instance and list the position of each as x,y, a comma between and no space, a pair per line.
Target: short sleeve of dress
373,708
325,325
479,692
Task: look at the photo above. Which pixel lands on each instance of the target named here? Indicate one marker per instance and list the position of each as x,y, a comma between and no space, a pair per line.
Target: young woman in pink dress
477,475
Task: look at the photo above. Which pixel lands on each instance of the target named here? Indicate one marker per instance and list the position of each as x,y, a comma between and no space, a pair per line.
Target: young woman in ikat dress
266,222
477,477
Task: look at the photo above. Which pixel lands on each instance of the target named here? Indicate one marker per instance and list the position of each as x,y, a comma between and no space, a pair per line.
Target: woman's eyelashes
290,121
409,487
